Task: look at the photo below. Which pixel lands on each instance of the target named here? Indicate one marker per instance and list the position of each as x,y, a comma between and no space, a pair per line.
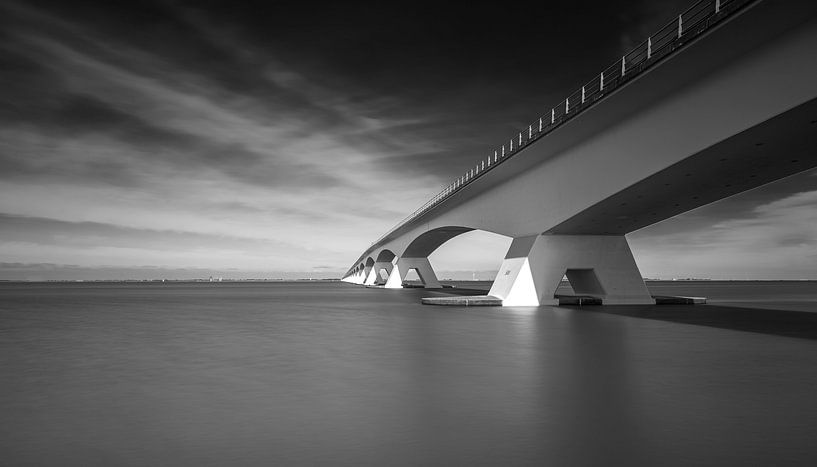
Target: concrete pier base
371,277
597,266
423,268
366,271
375,277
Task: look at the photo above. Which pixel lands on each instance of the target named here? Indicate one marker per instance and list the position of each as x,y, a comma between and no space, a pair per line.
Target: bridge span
721,100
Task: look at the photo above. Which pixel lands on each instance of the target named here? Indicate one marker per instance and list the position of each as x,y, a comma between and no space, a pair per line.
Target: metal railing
695,20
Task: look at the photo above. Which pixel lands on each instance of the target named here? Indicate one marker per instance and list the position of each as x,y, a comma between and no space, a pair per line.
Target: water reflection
305,374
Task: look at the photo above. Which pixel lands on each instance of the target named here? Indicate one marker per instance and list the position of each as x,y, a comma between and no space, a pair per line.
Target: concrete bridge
721,100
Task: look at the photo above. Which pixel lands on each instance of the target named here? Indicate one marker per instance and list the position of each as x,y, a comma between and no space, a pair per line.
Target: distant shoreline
207,281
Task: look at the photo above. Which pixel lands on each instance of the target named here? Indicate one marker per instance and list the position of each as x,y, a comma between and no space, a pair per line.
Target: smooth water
330,373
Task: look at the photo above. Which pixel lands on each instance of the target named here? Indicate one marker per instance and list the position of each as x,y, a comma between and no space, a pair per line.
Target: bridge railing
692,22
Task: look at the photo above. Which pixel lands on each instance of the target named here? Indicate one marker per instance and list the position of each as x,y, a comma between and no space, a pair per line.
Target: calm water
329,373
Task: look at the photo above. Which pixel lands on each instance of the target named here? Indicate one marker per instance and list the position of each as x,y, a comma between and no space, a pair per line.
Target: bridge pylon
600,266
374,277
423,268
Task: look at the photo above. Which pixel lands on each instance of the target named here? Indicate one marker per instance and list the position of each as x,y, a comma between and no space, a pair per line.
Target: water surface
330,373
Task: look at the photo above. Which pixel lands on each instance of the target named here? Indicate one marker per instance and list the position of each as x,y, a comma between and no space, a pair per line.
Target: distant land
70,273
47,272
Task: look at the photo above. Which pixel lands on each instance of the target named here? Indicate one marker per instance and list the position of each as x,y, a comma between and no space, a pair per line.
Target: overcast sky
201,136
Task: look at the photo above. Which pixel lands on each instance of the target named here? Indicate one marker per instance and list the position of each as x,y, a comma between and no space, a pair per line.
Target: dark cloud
410,62
74,116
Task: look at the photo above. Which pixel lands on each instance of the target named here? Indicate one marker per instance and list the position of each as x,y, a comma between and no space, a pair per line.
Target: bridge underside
777,148
590,247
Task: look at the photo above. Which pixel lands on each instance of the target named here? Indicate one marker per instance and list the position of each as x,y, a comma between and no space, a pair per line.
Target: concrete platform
577,300
474,300
580,300
673,300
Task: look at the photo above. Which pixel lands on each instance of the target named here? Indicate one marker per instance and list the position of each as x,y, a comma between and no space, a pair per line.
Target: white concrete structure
420,265
595,265
731,105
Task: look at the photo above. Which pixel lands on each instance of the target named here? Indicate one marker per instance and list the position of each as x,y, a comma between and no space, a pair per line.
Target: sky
172,139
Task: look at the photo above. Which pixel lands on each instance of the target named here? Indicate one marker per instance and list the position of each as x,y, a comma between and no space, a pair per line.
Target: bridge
721,100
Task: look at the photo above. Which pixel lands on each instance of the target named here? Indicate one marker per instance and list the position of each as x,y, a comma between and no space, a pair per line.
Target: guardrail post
503,150
520,138
567,105
623,66
540,124
649,47
582,94
552,116
483,165
511,148
717,6
495,156
530,131
680,26
601,83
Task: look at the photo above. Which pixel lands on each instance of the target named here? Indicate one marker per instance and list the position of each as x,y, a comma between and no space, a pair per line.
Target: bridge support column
370,277
596,265
423,268
367,270
374,278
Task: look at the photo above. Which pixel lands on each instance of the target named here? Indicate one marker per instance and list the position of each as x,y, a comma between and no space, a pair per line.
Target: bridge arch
415,255
427,242
378,268
385,255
